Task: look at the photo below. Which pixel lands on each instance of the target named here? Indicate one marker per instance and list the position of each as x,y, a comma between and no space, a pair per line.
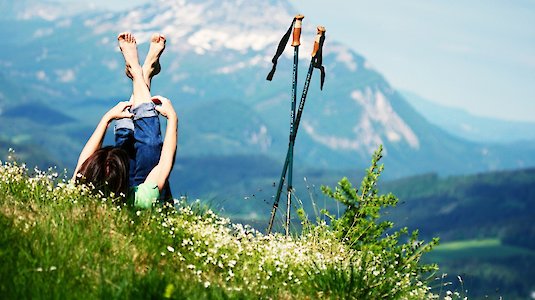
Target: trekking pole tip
297,30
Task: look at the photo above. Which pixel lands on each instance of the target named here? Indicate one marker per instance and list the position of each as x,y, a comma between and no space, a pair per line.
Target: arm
160,173
95,141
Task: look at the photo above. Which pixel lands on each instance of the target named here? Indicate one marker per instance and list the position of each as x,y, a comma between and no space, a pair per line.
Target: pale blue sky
478,55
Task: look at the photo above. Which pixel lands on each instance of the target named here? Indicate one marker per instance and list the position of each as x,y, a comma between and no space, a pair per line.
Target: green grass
60,241
480,248
469,244
487,267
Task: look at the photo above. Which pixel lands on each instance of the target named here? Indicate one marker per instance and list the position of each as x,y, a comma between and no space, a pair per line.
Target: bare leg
151,66
128,45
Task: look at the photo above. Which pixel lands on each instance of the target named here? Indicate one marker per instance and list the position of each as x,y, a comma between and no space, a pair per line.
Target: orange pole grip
320,33
297,30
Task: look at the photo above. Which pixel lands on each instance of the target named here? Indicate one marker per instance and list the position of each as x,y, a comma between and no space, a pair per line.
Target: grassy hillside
494,204
488,268
58,240
485,222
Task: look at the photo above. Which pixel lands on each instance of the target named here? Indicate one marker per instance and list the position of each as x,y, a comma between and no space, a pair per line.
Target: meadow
60,240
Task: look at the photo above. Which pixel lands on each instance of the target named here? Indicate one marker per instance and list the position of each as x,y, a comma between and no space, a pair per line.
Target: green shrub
394,257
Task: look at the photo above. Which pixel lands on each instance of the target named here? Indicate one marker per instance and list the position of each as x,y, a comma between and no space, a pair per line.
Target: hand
119,111
166,108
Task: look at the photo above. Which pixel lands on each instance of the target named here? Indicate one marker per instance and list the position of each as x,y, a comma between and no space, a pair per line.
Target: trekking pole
296,25
315,62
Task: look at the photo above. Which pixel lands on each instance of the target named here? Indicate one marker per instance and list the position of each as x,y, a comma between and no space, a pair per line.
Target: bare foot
128,46
151,66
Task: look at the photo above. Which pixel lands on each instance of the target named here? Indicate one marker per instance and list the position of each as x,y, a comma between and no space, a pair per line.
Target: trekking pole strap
317,53
280,49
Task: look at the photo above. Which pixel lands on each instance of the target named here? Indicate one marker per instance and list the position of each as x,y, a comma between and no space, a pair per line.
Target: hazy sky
478,55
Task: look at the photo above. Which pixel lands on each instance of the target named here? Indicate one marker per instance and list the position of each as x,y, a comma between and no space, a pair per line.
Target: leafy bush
387,266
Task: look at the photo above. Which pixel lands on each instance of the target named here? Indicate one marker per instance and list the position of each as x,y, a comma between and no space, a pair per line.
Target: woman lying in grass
139,164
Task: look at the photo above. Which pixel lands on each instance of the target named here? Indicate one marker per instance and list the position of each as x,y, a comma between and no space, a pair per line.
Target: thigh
124,139
148,145
148,140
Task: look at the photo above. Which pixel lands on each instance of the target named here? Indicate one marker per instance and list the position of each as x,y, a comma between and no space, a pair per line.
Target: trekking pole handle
297,30
320,33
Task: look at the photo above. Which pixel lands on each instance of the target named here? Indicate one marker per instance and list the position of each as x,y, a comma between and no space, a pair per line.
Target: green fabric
145,194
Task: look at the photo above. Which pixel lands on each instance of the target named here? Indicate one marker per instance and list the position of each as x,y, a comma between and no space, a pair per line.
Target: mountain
214,67
467,126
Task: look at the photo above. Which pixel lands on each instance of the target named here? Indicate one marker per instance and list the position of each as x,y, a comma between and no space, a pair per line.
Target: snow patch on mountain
188,89
368,65
345,56
47,13
41,75
43,32
261,138
255,61
110,64
230,38
377,109
377,123
201,26
366,142
65,23
271,102
43,55
65,75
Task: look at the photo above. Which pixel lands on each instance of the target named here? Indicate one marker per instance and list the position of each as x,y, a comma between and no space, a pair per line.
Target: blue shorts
141,138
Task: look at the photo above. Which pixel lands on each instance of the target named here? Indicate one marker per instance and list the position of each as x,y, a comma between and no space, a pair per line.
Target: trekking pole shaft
289,156
288,210
296,42
316,48
302,102
290,145
277,196
292,112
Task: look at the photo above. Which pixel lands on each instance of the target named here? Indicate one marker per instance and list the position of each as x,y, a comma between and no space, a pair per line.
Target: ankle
136,71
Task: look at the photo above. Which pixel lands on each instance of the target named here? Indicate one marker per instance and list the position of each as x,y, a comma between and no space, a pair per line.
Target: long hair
107,169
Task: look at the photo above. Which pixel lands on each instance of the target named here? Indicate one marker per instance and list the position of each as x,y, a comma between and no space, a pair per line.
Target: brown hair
107,169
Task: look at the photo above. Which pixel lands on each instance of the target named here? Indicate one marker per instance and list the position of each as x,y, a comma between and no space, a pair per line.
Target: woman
139,165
